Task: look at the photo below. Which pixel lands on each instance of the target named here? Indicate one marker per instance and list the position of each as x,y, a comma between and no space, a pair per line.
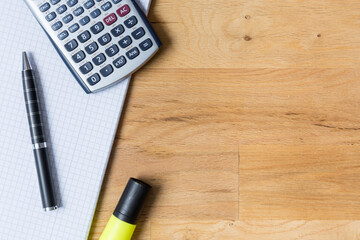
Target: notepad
80,129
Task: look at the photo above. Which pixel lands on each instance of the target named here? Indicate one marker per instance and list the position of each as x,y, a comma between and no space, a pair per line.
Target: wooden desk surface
246,123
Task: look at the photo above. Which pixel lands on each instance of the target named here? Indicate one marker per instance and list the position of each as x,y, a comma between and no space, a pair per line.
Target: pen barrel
45,181
39,141
33,108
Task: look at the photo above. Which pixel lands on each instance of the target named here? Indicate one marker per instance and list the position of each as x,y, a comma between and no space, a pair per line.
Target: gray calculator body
101,41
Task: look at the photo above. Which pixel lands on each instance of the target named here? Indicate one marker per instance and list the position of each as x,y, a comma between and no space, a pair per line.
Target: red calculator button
124,10
110,19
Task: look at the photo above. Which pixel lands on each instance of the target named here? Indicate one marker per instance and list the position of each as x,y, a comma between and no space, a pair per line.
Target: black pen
38,137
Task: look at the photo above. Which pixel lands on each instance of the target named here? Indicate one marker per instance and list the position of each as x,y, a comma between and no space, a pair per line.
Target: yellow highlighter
122,223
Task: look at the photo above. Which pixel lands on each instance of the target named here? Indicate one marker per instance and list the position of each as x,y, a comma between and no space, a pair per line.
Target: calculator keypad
71,3
94,79
56,26
84,37
145,45
123,11
89,4
111,51
73,28
70,46
99,46
99,59
79,56
79,11
44,7
109,20
133,53
61,9
105,39
107,70
117,31
97,28
53,2
63,35
51,16
96,13
84,21
86,68
138,33
106,6
91,48
68,18
131,22
125,42
119,62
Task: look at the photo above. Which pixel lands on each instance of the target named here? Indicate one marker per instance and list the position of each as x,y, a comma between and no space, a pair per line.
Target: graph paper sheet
80,129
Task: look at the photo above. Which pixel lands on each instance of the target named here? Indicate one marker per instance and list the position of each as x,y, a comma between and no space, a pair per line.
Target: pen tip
26,63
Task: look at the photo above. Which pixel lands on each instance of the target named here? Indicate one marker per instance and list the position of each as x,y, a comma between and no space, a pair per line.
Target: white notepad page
81,129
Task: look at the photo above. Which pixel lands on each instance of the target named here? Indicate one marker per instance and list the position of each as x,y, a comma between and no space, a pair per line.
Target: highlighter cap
132,201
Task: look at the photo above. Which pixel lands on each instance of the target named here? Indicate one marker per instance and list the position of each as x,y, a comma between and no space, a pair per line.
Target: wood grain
245,106
257,34
246,123
299,182
256,230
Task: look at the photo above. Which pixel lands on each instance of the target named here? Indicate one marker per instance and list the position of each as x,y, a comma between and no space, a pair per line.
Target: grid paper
80,131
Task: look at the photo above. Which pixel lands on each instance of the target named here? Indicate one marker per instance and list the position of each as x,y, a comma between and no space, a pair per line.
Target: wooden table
246,123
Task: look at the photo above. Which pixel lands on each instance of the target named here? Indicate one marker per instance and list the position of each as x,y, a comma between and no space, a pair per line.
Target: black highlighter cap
132,201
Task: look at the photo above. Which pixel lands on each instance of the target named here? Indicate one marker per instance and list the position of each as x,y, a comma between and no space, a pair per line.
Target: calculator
101,41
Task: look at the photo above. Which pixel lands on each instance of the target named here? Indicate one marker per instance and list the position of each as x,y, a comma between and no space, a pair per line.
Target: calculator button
110,19
105,39
117,31
78,11
89,4
85,36
56,26
99,59
72,3
106,71
91,48
53,2
68,18
97,28
74,27
106,6
95,13
119,62
63,35
129,23
51,16
94,79
61,9
84,20
138,33
116,1
79,56
125,42
133,53
111,51
123,11
70,46
145,45
44,7
86,68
